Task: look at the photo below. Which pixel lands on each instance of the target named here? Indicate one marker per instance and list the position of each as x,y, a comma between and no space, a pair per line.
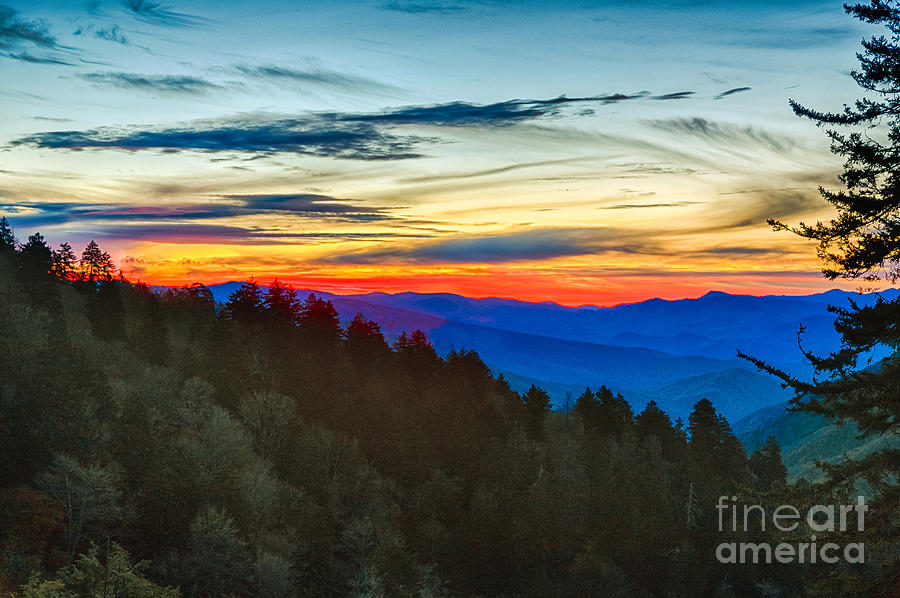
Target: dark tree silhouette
245,304
281,303
96,264
863,242
319,320
64,263
537,405
766,464
7,238
35,257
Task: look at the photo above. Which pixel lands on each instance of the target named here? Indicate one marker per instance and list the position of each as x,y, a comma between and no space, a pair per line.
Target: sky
579,152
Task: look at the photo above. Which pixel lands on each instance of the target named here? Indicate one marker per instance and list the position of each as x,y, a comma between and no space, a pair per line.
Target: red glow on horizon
613,290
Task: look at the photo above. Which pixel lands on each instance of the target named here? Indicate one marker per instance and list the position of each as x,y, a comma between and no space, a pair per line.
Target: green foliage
87,496
115,575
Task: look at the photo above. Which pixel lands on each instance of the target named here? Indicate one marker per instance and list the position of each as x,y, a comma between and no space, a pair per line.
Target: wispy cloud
303,205
357,136
678,95
352,141
17,34
634,206
515,246
315,77
733,91
724,133
111,33
165,84
419,8
450,176
157,13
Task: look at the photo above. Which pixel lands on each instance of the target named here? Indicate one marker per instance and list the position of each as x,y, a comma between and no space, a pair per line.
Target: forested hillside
156,445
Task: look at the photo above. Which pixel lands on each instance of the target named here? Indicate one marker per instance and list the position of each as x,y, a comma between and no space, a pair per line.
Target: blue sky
581,151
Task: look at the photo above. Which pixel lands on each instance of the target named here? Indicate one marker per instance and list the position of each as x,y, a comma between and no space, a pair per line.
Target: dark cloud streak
318,76
156,13
166,84
357,136
725,94
16,34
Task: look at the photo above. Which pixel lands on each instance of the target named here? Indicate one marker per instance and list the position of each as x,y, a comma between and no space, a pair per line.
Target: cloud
678,95
156,13
356,136
783,36
489,171
418,8
26,57
631,206
352,141
14,31
17,34
111,33
319,207
527,245
732,92
498,114
754,207
165,84
724,133
316,76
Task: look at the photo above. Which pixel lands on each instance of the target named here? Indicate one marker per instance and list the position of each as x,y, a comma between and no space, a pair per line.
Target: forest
155,443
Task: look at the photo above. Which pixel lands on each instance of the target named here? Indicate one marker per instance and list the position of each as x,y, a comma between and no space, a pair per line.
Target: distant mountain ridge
673,351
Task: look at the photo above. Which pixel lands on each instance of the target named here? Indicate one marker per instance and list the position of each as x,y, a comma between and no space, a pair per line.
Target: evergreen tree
96,264
767,466
415,343
586,407
245,304
613,413
654,422
281,303
35,258
863,242
364,338
537,405
319,320
7,238
64,262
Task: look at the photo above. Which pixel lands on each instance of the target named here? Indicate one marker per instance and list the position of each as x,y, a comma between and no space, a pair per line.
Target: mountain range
673,351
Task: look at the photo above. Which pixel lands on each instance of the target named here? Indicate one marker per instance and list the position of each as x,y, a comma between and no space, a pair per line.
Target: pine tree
586,407
281,303
364,338
63,262
35,258
245,304
319,321
613,413
537,405
7,238
654,422
767,466
863,242
96,264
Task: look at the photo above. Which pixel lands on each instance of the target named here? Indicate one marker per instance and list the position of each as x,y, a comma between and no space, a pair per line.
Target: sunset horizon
428,147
